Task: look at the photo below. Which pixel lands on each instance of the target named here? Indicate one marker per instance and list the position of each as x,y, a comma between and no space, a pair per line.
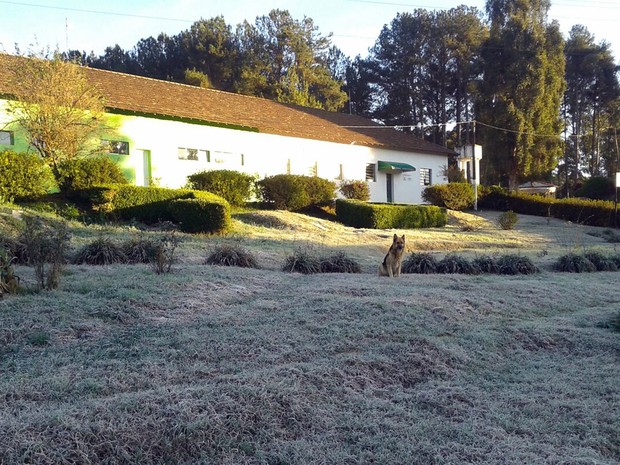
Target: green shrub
355,190
197,211
83,173
507,220
237,188
102,251
515,264
339,263
419,263
295,192
23,176
601,262
574,263
454,195
302,261
454,263
597,188
229,255
389,216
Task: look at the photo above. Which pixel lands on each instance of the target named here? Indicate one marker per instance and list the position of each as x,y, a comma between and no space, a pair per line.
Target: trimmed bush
454,195
453,263
228,255
355,190
507,220
197,211
237,188
339,263
515,264
23,176
419,263
295,192
574,263
389,216
83,173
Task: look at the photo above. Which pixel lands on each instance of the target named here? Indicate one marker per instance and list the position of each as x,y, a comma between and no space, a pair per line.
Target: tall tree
521,92
57,107
592,89
288,60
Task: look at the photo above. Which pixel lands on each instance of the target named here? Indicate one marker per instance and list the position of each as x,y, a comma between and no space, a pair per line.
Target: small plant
419,263
139,249
164,254
574,263
302,262
339,263
9,282
453,263
102,251
39,338
357,190
515,264
601,262
507,220
45,245
485,264
229,255
616,259
470,226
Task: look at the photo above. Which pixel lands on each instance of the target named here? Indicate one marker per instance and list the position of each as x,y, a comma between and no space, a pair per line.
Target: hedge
23,176
236,187
196,211
454,195
387,216
295,192
581,211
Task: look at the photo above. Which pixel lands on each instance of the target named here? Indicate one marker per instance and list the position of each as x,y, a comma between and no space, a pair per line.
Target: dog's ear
403,238
395,237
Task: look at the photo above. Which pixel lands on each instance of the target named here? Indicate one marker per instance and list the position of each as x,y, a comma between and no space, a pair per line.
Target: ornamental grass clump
303,262
419,263
339,263
9,281
601,262
485,264
454,263
515,264
507,220
140,249
231,255
102,251
574,263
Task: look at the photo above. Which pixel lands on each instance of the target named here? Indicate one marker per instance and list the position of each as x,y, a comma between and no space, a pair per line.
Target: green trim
394,166
181,119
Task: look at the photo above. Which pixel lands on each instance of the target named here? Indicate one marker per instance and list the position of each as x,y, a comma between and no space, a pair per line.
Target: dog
393,259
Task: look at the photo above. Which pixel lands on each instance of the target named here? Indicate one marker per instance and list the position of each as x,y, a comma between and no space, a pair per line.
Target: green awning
395,166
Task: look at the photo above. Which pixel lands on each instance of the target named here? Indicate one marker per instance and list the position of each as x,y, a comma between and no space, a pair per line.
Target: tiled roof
128,93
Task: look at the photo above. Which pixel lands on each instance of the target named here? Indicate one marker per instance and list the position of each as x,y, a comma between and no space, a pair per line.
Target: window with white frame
187,154
119,147
425,177
371,169
6,138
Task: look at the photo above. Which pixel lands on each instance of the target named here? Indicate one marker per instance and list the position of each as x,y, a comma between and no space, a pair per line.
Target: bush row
386,216
426,263
194,211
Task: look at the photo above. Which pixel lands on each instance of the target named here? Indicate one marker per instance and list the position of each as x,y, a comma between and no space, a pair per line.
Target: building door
390,187
146,169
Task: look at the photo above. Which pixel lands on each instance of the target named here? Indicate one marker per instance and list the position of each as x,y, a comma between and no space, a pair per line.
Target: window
425,176
6,138
116,146
187,154
370,172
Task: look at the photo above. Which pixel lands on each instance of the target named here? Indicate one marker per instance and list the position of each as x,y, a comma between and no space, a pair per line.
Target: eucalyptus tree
590,105
521,92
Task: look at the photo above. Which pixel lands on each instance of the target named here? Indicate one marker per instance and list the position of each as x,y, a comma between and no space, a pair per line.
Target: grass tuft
601,262
454,263
486,264
232,255
140,249
102,251
513,264
302,261
419,263
574,263
339,263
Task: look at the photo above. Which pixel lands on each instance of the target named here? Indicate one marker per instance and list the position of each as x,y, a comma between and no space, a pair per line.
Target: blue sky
355,24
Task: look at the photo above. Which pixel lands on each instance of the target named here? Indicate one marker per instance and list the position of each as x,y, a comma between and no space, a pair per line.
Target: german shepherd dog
393,259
